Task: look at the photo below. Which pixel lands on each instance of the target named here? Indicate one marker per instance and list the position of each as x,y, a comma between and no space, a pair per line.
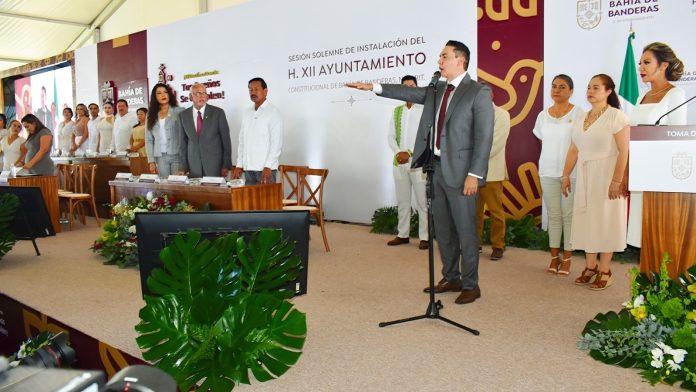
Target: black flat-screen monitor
156,230
31,219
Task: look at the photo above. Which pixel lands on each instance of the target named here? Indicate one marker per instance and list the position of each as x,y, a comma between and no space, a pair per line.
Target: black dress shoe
423,245
398,241
468,296
444,286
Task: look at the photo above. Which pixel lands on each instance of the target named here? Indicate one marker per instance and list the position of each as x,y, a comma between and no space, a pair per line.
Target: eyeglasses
199,94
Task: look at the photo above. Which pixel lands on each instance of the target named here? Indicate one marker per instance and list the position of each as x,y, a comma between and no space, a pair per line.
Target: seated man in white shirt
260,138
123,125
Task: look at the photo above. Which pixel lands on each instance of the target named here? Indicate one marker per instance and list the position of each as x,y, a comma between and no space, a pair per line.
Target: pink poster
23,97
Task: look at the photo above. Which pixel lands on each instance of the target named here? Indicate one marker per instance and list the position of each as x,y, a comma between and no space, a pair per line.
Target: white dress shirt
93,133
123,125
260,138
410,119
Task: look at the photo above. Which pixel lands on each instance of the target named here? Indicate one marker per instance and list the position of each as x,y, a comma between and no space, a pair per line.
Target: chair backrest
83,178
290,178
65,176
312,188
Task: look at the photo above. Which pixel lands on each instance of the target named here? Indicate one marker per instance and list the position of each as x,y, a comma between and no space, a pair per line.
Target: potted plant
220,310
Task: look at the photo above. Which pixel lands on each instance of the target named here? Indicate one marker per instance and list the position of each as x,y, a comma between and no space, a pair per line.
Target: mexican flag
628,88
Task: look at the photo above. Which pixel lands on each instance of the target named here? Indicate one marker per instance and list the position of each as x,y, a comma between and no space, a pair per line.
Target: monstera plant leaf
218,313
267,264
611,321
8,206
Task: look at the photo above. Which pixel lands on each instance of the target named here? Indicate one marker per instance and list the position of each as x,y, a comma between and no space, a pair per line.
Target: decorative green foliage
118,241
656,331
8,207
386,221
221,310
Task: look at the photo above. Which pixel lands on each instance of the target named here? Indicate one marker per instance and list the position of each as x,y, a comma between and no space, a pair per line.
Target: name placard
217,181
148,177
177,179
123,176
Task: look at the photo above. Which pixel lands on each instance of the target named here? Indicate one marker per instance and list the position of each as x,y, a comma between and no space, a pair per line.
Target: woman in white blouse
658,66
10,146
65,131
553,127
105,128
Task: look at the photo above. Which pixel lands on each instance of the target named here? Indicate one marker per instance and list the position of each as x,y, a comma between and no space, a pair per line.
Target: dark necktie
199,124
442,115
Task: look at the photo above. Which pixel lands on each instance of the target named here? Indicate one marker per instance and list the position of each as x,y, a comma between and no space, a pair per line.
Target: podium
662,164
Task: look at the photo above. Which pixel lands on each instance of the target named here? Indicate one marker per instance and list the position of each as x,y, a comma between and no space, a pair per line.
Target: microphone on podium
670,111
434,80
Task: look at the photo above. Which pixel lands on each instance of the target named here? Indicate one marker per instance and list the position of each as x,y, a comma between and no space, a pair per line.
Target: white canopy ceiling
35,29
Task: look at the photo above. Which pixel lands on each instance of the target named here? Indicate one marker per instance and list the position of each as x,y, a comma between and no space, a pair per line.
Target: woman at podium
658,66
599,149
37,158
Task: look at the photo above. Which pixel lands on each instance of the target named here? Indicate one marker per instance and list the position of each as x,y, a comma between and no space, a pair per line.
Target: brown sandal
553,267
564,270
587,275
600,283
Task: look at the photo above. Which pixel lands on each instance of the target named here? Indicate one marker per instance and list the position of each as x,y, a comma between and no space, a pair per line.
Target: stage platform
529,320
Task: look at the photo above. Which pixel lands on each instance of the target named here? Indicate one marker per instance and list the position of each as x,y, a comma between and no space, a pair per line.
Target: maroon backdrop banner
511,51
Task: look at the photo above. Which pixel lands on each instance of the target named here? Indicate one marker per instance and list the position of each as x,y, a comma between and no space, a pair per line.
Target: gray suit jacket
173,140
467,136
207,154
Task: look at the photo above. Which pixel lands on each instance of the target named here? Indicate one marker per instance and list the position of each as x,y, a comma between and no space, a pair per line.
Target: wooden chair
290,178
83,192
311,196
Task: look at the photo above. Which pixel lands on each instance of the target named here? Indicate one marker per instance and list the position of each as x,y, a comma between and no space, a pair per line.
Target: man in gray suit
205,148
463,139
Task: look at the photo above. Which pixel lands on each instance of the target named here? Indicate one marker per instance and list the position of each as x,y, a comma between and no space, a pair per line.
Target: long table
245,198
49,190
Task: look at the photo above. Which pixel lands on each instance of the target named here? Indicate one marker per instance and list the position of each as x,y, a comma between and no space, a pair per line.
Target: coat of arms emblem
589,13
681,166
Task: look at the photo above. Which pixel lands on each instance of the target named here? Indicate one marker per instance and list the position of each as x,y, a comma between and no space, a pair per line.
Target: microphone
434,80
677,107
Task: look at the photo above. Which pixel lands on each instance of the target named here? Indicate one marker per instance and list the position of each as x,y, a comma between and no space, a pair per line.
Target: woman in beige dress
600,149
80,133
137,138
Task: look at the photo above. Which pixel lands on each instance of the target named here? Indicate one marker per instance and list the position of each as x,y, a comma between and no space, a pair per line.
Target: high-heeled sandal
587,275
564,269
553,267
600,283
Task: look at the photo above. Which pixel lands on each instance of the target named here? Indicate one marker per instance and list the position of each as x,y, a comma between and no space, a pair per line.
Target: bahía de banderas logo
589,13
682,164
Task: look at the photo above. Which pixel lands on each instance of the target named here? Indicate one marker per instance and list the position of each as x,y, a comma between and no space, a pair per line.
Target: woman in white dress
65,131
553,127
105,128
658,66
10,146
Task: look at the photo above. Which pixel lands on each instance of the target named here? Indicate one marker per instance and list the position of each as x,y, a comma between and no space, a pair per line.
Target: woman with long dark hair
162,136
599,148
36,154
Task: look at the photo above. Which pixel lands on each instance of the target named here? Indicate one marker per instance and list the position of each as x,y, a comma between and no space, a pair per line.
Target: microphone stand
433,310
